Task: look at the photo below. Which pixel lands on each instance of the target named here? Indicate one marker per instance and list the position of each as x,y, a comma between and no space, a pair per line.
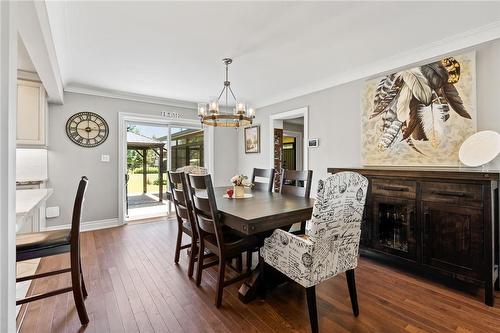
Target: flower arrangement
241,180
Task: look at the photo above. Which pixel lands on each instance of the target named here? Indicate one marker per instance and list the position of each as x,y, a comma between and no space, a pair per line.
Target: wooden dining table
259,216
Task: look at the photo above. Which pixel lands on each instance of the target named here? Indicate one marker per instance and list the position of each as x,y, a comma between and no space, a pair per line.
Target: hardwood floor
134,286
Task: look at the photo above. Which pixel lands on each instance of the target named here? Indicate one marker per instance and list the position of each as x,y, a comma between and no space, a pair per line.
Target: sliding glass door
152,150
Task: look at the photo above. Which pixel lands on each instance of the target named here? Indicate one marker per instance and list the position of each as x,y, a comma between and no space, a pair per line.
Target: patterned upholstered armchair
331,243
193,170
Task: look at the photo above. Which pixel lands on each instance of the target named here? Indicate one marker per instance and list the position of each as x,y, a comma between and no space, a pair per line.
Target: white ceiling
280,49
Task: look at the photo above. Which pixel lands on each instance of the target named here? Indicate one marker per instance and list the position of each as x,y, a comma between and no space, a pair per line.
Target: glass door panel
394,221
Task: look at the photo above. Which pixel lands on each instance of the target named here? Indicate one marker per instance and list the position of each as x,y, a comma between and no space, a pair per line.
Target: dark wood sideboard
441,222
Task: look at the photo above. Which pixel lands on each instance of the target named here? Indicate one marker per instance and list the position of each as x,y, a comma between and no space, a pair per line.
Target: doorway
288,132
149,148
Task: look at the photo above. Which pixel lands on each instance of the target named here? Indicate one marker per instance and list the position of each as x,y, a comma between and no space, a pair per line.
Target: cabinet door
453,238
31,108
394,226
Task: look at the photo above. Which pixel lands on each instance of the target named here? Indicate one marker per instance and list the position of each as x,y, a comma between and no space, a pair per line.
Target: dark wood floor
134,286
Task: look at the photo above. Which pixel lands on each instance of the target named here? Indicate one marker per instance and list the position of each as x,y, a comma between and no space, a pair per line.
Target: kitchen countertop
27,200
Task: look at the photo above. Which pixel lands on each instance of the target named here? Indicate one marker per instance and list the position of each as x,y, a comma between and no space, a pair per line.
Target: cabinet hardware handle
450,194
394,188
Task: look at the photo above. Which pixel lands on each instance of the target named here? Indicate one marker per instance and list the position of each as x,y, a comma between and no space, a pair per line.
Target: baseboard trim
89,225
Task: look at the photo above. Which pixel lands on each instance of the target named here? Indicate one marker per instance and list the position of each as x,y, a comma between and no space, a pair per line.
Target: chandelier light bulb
251,112
202,109
214,107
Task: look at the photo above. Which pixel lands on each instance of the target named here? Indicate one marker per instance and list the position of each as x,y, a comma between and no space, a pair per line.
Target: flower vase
239,191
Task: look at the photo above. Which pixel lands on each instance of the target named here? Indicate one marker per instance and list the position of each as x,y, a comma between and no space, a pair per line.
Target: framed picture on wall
252,139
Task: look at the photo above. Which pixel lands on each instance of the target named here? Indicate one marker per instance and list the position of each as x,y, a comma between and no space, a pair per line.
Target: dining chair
267,174
297,183
224,242
193,169
330,245
50,243
183,212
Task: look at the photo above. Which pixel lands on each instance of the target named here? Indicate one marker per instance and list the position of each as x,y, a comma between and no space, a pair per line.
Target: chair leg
178,245
239,263
249,260
192,257
303,227
220,282
351,283
311,305
201,252
76,284
262,282
84,289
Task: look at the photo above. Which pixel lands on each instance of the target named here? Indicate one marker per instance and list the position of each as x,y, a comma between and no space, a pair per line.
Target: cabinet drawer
394,188
459,194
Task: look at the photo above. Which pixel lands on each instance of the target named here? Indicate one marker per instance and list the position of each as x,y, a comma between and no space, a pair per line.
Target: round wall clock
87,129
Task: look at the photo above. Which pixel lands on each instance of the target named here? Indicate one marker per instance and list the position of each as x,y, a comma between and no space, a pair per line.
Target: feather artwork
436,74
386,93
390,129
431,118
414,106
402,105
418,84
453,97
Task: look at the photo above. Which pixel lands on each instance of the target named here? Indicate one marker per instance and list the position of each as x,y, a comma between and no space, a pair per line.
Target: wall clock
87,129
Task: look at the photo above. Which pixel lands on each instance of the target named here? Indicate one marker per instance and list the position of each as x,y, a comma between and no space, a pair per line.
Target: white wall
226,158
335,118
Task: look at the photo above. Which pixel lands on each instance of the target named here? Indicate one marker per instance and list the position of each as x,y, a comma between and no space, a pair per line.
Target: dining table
259,215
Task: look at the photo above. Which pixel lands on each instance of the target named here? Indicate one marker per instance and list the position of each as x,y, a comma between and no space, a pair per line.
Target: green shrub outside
148,170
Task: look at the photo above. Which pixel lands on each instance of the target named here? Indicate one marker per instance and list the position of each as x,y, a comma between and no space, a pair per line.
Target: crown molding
459,42
117,94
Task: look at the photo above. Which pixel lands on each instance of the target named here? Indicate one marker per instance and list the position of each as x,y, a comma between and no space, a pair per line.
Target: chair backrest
205,210
338,209
263,173
192,170
296,182
180,198
77,212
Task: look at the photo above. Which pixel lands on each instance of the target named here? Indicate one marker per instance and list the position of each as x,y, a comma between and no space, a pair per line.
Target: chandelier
211,115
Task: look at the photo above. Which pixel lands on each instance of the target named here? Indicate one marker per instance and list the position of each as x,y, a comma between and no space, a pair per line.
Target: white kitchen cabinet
31,113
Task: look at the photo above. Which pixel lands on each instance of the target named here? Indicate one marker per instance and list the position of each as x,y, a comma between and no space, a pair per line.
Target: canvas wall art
420,116
252,139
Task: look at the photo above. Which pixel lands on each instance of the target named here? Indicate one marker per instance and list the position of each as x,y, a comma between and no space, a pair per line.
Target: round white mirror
480,148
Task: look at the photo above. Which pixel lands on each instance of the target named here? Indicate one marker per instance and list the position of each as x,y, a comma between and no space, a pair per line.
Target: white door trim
296,113
8,105
123,118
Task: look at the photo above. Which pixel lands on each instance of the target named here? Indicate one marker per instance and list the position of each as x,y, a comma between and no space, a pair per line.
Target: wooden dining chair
50,243
330,246
297,183
225,243
183,212
267,174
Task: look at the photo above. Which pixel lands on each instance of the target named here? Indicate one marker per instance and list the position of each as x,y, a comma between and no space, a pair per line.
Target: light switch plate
104,158
51,212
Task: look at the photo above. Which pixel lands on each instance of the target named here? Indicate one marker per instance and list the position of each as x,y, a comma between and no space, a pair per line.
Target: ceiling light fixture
211,115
